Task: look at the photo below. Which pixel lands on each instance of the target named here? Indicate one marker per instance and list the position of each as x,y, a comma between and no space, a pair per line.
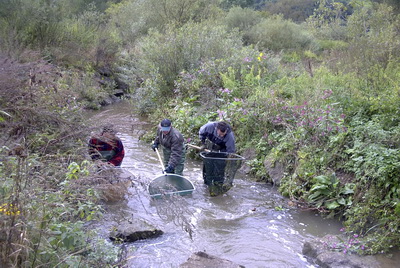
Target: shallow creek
251,225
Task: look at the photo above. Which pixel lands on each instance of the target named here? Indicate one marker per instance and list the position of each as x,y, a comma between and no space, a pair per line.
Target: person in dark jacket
107,147
219,135
173,146
219,139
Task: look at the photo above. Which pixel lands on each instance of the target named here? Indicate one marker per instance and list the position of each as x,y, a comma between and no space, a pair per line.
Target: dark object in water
219,169
170,184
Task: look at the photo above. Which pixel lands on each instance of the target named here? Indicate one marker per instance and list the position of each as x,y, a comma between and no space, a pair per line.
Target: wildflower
327,94
221,114
260,57
247,59
225,90
8,209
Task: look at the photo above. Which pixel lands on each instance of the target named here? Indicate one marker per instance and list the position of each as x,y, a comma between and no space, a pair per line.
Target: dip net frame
219,170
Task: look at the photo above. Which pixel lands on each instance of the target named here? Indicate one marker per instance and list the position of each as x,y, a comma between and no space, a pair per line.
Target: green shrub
329,20
64,31
179,50
242,19
133,19
327,44
296,11
277,34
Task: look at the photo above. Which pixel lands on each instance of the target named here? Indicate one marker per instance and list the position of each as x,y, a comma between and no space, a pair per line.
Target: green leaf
348,188
332,205
314,196
397,209
318,187
322,179
342,201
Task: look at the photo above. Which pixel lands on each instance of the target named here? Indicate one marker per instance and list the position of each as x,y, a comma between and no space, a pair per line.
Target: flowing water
251,225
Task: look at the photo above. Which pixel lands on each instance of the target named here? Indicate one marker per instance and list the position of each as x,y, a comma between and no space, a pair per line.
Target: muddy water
251,225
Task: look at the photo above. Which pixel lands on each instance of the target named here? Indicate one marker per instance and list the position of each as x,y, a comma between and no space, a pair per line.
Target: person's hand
169,169
154,146
203,148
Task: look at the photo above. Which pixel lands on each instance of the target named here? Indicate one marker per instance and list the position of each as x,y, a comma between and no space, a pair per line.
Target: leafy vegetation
320,98
46,197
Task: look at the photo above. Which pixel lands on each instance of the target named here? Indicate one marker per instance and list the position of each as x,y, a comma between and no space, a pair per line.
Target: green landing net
219,170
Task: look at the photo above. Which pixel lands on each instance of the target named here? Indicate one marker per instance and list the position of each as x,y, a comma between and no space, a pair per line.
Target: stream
251,225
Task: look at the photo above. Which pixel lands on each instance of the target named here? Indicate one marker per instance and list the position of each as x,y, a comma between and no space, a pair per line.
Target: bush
277,34
242,19
61,31
184,49
42,207
133,19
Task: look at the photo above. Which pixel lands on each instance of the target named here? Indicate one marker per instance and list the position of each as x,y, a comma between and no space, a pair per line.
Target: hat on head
109,129
165,125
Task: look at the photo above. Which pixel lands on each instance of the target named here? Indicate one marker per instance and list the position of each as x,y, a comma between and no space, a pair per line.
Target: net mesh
170,184
219,170
175,208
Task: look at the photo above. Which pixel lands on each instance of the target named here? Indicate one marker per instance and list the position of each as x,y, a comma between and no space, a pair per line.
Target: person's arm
156,141
176,150
205,131
119,156
202,134
93,152
230,143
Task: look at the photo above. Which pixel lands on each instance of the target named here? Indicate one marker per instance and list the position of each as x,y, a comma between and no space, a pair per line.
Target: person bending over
219,137
107,147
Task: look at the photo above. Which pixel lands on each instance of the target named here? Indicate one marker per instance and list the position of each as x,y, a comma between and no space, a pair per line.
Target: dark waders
181,164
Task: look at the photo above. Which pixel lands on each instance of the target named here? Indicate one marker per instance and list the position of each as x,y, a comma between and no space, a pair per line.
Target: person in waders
107,147
219,139
173,146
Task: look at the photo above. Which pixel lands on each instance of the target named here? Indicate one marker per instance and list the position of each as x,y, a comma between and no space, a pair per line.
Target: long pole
161,162
196,147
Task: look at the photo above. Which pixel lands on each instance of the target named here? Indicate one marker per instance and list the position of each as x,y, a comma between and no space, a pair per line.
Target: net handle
159,158
197,147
